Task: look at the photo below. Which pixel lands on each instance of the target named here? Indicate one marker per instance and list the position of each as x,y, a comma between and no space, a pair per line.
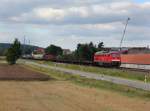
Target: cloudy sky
68,22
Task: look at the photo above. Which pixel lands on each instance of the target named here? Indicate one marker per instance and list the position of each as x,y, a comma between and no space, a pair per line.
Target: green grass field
133,75
128,91
2,57
2,60
69,93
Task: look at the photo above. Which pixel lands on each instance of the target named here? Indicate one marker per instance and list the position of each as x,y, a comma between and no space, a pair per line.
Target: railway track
135,69
88,63
110,67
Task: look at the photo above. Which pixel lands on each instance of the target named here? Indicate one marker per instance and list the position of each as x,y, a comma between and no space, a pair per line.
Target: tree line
83,52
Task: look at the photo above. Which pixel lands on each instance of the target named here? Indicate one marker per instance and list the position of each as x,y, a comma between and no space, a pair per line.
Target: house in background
38,53
66,52
138,50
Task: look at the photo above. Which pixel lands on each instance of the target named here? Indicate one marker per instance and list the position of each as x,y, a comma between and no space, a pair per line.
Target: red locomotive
104,58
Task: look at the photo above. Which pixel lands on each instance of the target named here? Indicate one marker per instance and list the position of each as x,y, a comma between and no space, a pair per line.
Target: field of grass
124,90
2,60
69,93
133,75
2,57
63,96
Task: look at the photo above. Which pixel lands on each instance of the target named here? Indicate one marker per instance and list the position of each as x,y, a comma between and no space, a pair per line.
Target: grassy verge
2,59
128,91
133,75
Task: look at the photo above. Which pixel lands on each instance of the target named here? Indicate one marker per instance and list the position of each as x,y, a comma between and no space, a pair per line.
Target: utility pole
29,42
24,42
124,33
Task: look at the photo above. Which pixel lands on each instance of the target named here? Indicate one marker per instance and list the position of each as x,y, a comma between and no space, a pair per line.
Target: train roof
105,52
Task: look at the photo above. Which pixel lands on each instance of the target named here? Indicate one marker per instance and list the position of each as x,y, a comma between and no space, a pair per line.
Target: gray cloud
61,21
95,12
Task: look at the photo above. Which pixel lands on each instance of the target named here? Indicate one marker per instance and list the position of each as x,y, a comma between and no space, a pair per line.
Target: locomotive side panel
108,59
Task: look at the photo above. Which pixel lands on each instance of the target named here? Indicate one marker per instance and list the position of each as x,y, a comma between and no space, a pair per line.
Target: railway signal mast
124,34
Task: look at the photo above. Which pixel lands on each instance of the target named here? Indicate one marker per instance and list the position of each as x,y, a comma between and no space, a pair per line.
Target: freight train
102,58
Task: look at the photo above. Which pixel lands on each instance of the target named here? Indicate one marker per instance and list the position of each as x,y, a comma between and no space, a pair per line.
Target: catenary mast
124,33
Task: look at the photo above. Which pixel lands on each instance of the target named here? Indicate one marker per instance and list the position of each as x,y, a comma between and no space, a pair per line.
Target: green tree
100,46
28,50
93,49
14,52
54,50
86,51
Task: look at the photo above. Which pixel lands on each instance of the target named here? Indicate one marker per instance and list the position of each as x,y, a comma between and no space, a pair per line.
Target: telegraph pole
29,42
124,33
24,42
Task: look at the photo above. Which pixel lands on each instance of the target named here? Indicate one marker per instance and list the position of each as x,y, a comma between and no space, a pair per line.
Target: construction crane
124,33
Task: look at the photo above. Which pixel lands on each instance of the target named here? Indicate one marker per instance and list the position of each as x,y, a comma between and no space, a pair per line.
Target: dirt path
16,72
63,96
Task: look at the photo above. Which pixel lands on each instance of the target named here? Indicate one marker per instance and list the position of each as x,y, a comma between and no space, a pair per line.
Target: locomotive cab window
114,55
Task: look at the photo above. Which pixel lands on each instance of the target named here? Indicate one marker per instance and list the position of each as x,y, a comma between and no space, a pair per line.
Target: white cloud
49,13
55,21
90,14
78,11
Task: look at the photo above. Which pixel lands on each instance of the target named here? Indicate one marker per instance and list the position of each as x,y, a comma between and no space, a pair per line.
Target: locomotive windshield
115,55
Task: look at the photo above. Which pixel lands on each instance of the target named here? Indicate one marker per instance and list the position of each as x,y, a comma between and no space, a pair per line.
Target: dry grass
121,89
63,96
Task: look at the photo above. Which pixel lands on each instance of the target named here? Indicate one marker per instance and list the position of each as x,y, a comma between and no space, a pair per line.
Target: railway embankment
115,72
116,80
